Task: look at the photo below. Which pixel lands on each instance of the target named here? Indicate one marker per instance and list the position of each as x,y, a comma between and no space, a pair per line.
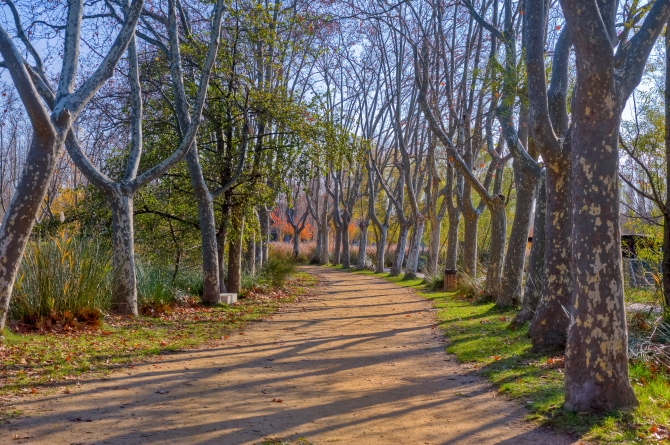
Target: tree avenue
522,144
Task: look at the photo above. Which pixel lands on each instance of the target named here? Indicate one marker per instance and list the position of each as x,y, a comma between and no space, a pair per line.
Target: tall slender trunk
533,290
346,257
264,220
338,244
381,248
549,326
319,243
452,240
415,247
363,243
400,250
434,245
512,279
323,259
210,262
470,243
492,290
124,280
296,244
250,256
665,262
235,250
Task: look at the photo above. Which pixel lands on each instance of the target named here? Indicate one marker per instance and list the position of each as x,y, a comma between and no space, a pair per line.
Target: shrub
155,292
435,281
471,287
62,281
277,270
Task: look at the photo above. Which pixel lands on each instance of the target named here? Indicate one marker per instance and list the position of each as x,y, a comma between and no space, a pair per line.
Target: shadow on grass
480,334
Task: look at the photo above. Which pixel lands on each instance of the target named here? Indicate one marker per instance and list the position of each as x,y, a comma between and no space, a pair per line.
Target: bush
472,287
62,281
277,270
155,290
435,281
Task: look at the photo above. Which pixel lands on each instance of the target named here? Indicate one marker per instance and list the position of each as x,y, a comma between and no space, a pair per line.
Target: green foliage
154,286
62,279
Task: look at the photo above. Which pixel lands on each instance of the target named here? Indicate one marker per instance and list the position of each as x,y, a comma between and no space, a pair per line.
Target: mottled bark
210,259
596,358
22,212
471,227
492,289
345,259
401,244
235,250
381,248
412,265
434,245
534,276
512,278
124,280
264,220
363,243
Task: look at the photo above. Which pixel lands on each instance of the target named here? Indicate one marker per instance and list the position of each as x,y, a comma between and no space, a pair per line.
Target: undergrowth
35,363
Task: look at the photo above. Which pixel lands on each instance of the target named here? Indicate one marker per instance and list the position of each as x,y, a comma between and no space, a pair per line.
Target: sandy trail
356,364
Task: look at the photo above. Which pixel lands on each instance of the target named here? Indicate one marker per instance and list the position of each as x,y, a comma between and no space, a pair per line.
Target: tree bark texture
210,262
235,250
512,278
533,290
363,243
124,279
412,265
396,268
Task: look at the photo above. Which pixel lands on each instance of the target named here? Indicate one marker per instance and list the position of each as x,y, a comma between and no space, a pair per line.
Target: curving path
357,364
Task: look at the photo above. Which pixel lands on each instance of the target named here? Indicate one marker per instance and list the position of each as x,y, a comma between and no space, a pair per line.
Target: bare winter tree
49,129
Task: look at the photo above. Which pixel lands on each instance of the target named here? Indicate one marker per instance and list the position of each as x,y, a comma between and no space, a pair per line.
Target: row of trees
411,118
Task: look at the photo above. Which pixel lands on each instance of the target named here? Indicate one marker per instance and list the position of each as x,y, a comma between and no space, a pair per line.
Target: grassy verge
479,335
36,363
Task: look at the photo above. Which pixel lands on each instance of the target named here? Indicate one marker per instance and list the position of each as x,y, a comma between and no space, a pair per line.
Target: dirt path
358,364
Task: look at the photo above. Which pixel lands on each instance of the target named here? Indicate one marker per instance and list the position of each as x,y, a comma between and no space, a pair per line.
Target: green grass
37,363
480,337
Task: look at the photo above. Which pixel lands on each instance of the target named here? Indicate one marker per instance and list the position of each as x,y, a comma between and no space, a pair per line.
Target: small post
450,280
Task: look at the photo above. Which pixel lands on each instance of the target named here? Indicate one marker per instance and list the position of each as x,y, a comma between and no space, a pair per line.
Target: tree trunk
221,241
235,250
549,326
512,279
434,246
492,290
531,295
210,262
124,280
363,243
665,262
264,220
319,243
345,258
21,214
452,238
250,256
324,258
596,357
400,251
381,248
470,245
296,244
338,243
415,247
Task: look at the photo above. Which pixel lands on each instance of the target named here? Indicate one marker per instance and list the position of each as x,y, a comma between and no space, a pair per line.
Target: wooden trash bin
450,280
